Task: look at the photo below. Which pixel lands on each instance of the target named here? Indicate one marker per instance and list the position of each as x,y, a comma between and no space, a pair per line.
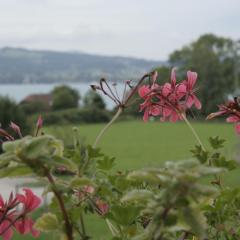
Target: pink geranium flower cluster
171,100
230,109
14,214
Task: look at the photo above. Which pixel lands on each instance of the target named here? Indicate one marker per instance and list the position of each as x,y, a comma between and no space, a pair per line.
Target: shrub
34,107
10,111
93,100
64,97
76,116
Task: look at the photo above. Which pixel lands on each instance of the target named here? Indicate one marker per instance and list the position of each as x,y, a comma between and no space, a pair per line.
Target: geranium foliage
179,200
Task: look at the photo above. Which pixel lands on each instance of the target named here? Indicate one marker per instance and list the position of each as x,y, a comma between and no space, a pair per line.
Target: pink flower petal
190,101
29,200
146,116
166,112
181,89
155,110
197,103
8,234
192,77
232,119
167,89
143,91
174,117
173,77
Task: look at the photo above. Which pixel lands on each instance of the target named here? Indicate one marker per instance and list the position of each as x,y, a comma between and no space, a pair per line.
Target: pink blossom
150,109
102,207
89,189
25,226
5,231
191,97
230,109
170,100
30,201
39,122
16,128
11,217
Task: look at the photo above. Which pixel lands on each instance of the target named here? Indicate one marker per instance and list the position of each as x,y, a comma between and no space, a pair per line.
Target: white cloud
142,28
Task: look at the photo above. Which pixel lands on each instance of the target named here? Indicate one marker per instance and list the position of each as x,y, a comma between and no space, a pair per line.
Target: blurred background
45,44
52,50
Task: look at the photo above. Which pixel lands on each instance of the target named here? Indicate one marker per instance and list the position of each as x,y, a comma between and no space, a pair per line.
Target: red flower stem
193,131
99,136
136,87
68,225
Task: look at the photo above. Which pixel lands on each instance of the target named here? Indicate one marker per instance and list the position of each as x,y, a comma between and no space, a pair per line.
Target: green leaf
143,175
216,142
15,171
200,154
81,181
195,220
124,215
106,163
48,222
137,196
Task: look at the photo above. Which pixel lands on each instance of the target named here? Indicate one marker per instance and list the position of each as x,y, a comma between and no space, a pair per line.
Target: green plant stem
102,132
113,230
83,227
193,131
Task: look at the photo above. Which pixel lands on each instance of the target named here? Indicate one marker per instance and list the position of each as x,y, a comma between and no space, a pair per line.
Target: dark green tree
213,58
164,73
10,111
93,100
64,97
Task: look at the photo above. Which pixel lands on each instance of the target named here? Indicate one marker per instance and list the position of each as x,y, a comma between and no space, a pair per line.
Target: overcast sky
141,28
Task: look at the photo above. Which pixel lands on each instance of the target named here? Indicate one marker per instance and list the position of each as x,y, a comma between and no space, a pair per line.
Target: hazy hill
19,65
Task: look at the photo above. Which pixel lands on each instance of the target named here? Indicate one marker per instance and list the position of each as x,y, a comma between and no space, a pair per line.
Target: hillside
19,65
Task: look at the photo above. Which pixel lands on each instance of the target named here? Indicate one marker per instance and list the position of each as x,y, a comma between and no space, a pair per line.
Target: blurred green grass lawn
137,144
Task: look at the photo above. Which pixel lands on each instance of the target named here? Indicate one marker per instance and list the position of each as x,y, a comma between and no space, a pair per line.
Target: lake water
20,91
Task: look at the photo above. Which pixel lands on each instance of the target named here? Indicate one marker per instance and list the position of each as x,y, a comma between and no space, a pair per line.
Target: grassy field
136,144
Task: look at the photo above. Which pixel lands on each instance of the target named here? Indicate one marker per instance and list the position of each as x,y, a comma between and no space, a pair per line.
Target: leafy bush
175,201
93,100
76,116
34,107
11,112
64,97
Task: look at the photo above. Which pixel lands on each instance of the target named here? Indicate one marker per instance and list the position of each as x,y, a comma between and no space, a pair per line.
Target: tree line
216,60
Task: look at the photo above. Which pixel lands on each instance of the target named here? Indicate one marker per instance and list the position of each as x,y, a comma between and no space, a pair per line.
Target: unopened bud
16,128
39,122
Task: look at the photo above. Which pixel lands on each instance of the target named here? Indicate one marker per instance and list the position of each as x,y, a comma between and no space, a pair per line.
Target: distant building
45,100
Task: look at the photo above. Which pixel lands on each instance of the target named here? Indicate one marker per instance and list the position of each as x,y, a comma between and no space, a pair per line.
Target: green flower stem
112,228
193,131
102,132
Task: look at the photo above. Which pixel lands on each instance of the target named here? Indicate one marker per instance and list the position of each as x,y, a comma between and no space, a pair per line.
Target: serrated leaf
124,215
48,222
216,142
143,175
106,163
15,171
137,196
81,181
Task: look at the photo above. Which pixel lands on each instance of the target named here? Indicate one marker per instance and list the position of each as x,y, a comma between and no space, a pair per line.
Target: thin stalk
112,228
120,110
193,131
68,225
83,227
